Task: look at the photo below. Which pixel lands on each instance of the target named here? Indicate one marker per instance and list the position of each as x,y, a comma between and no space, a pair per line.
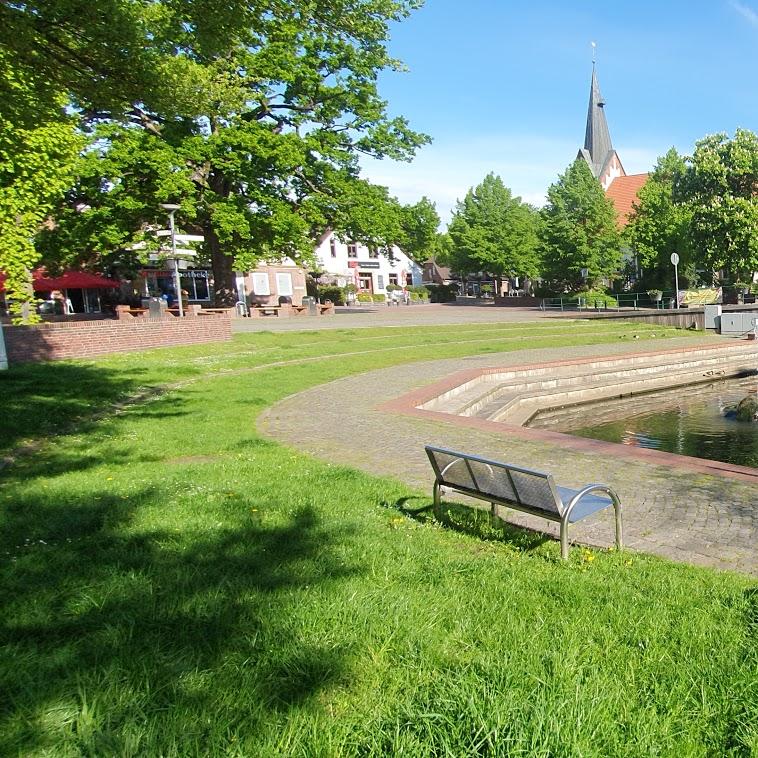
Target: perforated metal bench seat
534,492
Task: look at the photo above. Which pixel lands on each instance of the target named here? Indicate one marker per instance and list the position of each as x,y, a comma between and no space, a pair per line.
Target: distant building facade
367,268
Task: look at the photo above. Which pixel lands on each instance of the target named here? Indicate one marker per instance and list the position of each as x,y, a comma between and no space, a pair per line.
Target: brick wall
84,339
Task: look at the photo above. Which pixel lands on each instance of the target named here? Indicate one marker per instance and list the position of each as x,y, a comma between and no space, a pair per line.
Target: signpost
675,263
175,253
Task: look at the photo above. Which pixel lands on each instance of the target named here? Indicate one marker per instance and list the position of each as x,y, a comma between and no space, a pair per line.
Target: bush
393,287
379,298
364,297
594,297
442,293
331,292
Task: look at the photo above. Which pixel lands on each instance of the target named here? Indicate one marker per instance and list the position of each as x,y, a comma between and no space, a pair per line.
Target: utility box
310,302
738,324
712,315
156,307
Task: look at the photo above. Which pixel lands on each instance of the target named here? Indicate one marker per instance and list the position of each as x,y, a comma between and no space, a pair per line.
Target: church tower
598,150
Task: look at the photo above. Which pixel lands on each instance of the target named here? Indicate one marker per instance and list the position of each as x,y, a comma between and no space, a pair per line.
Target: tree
36,163
720,190
493,231
659,226
420,223
578,230
265,153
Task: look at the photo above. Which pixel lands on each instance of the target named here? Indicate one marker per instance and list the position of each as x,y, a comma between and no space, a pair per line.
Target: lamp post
172,208
675,263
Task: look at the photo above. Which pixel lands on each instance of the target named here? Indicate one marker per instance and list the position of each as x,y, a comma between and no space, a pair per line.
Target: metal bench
522,489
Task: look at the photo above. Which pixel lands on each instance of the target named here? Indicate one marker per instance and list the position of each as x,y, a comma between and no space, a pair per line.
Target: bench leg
564,540
619,526
436,495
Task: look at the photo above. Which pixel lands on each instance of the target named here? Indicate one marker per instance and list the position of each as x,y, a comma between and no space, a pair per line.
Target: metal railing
624,301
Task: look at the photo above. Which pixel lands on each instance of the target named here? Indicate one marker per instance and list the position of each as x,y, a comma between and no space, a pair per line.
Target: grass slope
174,585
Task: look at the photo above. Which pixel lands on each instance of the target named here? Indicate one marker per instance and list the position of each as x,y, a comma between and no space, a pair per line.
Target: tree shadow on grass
41,399
475,522
145,622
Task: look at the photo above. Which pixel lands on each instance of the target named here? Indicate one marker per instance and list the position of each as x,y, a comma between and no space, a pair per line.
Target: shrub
442,293
591,298
364,297
379,298
331,292
393,287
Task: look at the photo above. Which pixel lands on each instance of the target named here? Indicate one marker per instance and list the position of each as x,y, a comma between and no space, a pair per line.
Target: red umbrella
70,280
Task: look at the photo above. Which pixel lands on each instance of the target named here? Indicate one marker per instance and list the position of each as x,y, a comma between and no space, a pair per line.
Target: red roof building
623,192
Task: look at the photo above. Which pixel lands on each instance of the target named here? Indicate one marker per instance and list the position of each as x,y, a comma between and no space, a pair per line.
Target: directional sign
180,237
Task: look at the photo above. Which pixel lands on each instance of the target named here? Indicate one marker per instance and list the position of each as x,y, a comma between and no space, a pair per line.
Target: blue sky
503,86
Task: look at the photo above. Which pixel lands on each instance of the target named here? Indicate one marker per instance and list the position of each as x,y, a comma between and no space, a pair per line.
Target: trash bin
311,303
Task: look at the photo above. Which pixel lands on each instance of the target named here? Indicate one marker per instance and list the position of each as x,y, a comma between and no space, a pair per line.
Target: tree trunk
224,282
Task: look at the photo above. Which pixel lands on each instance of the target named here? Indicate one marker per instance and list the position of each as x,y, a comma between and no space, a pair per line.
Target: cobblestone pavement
675,513
382,315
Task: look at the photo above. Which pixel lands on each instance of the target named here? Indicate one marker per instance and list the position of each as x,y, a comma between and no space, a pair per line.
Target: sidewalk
436,314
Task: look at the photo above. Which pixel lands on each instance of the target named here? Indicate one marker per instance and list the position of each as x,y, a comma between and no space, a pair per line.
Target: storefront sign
369,264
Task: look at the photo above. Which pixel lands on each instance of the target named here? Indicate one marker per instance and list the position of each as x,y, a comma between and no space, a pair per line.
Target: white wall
379,268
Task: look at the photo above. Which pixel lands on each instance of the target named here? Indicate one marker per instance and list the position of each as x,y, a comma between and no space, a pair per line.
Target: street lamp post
172,208
675,263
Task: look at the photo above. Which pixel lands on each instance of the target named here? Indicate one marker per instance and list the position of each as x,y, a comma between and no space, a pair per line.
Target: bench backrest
486,478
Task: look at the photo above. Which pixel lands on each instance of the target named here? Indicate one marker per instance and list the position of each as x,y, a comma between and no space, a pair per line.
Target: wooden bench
258,311
502,484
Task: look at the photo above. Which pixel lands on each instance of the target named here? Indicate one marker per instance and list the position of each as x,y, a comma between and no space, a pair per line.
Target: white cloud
746,12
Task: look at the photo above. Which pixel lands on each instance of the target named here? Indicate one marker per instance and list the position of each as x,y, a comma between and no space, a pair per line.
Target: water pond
686,420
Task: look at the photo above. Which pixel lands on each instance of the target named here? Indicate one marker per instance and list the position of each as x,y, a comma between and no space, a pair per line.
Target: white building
367,268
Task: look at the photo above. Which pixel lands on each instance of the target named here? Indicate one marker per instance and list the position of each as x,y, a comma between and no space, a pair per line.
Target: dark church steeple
598,150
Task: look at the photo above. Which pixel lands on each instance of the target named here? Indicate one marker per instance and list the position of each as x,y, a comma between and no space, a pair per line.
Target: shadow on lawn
475,522
154,622
40,399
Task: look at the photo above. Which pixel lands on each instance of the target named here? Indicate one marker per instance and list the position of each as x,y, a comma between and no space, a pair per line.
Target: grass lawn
175,585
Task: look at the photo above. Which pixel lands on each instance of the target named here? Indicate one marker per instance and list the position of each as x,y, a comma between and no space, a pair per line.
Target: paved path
382,315
678,514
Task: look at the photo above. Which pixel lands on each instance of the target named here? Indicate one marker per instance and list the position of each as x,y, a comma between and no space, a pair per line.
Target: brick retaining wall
84,339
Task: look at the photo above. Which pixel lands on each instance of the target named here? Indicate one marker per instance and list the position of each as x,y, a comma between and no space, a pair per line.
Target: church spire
598,150
597,139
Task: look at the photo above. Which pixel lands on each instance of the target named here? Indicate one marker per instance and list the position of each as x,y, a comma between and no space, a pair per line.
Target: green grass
175,585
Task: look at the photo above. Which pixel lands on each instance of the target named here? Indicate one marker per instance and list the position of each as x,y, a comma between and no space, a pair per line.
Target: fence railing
623,301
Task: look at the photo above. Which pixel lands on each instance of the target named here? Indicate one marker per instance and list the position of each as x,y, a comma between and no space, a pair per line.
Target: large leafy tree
720,190
578,230
275,101
251,114
36,164
491,230
659,226
420,223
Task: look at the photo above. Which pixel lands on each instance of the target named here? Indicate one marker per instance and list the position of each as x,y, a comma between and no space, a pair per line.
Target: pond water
686,420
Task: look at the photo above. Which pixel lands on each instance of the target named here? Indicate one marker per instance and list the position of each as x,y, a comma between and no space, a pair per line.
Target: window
409,280
333,247
380,281
373,252
284,284
260,284
352,250
196,284
393,279
365,282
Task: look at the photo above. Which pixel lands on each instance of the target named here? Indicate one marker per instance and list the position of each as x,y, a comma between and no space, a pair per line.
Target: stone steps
513,396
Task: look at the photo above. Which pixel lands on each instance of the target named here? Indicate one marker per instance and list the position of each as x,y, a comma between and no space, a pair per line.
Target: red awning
70,280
